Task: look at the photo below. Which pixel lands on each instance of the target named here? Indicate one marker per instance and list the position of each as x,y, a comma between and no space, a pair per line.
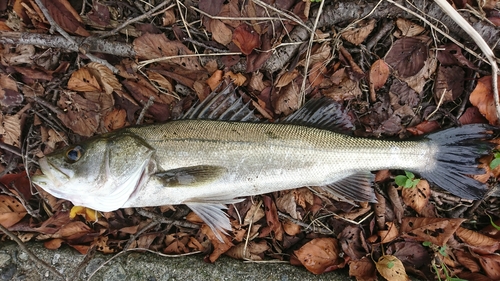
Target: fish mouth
52,175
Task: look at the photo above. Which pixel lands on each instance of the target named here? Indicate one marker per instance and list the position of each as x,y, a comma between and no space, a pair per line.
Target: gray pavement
134,266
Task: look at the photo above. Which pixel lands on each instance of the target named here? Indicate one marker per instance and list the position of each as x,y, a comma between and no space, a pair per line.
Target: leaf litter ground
396,76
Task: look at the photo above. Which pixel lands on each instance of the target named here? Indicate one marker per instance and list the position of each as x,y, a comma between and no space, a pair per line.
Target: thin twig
146,62
145,109
30,254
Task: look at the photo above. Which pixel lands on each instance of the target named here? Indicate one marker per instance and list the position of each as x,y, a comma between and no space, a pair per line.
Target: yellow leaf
391,268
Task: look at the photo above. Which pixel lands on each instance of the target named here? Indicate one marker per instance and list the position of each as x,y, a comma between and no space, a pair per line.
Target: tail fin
458,150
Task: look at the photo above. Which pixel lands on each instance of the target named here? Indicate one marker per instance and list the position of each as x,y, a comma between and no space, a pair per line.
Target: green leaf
415,182
442,251
408,183
426,243
390,264
495,162
456,279
400,180
409,175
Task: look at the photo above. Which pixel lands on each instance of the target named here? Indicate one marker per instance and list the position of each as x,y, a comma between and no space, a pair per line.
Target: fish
217,154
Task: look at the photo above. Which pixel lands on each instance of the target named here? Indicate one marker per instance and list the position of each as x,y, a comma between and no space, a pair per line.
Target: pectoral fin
191,176
357,187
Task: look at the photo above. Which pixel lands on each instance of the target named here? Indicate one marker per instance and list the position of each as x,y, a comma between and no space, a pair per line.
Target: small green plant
441,250
495,161
492,223
406,181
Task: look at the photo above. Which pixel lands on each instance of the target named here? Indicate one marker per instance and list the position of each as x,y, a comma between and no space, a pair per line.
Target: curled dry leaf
482,98
237,78
286,203
352,241
245,37
254,214
358,34
391,268
214,80
83,81
345,89
412,254
287,100
273,223
435,230
11,129
479,242
252,250
320,255
11,211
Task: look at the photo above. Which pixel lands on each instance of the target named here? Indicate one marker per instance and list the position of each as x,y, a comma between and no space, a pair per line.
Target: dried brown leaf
214,80
66,17
409,28
478,241
237,78
358,34
482,98
391,268
435,230
81,115
319,255
245,37
254,214
418,198
11,211
220,32
352,241
408,55
286,203
9,96
115,119
389,235
379,73
467,260
83,80
219,247
272,219
491,265
11,129
252,250
346,89
363,269
287,100
291,228
449,82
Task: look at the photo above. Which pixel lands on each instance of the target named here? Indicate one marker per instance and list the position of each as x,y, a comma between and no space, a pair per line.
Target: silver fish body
208,163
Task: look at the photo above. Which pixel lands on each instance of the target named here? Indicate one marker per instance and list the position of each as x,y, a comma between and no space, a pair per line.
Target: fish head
100,173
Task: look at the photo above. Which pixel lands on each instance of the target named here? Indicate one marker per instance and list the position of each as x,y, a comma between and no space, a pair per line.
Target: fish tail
456,159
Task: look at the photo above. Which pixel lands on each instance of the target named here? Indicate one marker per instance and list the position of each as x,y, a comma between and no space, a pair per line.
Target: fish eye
74,154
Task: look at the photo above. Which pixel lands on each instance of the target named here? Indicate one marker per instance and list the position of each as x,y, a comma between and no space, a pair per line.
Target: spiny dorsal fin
323,113
225,106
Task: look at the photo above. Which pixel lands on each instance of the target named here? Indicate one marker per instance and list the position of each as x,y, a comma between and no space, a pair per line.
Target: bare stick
30,254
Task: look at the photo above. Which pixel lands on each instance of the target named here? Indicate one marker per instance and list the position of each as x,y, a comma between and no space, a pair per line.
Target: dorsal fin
226,106
323,113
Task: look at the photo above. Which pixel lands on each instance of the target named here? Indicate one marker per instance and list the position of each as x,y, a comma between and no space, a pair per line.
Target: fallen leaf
66,17
418,198
11,129
450,83
220,32
482,98
80,115
252,250
391,268
220,247
214,80
11,211
411,254
491,265
467,260
435,230
379,73
363,269
237,78
291,228
273,223
358,34
409,28
245,37
352,241
320,255
389,235
9,96
408,55
115,119
479,242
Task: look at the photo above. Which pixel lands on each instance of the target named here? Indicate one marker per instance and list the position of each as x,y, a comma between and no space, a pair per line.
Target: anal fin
211,211
356,187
